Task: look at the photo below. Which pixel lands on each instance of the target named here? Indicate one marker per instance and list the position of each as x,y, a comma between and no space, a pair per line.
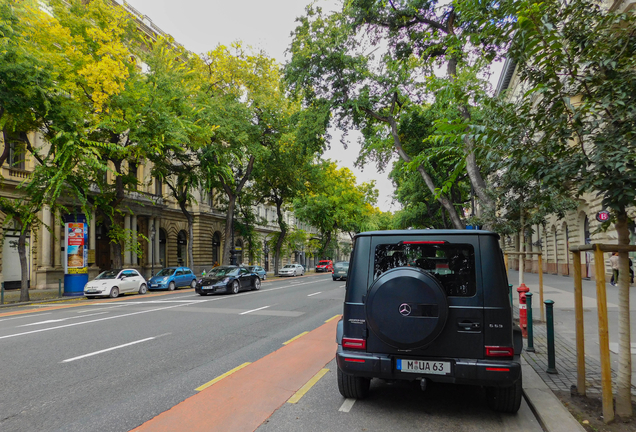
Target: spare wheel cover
406,308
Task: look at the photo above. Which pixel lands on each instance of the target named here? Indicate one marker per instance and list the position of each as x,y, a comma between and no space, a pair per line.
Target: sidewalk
12,297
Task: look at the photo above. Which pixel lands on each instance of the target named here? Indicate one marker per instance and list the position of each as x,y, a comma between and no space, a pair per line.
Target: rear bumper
499,373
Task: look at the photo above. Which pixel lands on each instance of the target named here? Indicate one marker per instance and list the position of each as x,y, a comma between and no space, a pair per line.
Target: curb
51,300
548,409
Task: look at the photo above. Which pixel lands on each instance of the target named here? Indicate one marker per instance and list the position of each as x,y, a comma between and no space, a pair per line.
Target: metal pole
59,287
2,293
510,293
580,332
530,347
541,288
549,304
603,335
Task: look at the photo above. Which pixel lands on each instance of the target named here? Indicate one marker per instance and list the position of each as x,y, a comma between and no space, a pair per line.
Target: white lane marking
110,349
104,308
60,320
347,405
27,316
309,295
91,321
253,310
151,310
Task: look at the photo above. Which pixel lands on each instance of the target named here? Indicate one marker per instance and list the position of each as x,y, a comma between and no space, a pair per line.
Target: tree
333,61
283,168
334,202
176,95
244,88
579,64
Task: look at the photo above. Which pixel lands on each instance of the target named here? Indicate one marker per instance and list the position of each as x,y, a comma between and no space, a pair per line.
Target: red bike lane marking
248,397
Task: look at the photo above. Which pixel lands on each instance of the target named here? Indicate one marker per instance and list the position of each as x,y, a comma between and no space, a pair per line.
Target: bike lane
245,399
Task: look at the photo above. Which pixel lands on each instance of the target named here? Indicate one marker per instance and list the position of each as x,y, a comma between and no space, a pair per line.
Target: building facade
580,226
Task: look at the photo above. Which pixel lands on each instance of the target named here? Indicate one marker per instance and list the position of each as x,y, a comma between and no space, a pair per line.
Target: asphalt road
109,365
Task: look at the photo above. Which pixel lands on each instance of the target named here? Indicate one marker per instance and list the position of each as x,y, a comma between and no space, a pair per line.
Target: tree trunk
624,379
281,238
229,221
24,268
445,202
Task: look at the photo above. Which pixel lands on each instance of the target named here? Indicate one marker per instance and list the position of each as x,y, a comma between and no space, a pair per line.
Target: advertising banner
75,258
76,248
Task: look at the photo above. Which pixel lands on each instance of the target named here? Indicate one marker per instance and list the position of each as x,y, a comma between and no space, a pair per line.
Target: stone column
45,237
93,235
151,245
133,254
157,223
127,243
59,241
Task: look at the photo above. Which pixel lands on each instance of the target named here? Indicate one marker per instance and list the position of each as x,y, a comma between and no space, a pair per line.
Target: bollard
530,347
523,317
1,293
59,287
549,304
510,292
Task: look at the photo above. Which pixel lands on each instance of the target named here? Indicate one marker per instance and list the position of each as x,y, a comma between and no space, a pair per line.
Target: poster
76,248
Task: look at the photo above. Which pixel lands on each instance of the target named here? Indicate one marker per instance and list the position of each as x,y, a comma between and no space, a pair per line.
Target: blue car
260,271
171,278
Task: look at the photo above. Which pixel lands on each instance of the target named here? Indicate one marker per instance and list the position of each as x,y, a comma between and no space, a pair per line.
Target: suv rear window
453,265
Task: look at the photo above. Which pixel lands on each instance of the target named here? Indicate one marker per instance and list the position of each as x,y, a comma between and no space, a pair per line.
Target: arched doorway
239,255
182,248
102,247
216,248
162,247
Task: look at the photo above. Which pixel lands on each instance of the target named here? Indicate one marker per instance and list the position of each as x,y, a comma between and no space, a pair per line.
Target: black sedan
228,279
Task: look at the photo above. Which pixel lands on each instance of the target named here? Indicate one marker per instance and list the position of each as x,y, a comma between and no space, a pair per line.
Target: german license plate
424,366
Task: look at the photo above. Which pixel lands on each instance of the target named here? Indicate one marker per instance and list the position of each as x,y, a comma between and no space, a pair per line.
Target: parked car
291,270
429,305
324,266
228,279
340,270
171,278
112,283
260,271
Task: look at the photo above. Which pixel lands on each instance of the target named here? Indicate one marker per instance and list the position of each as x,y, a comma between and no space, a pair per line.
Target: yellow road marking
304,389
333,317
220,377
295,337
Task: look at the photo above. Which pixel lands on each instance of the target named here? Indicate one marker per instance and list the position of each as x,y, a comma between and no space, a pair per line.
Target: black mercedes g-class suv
429,305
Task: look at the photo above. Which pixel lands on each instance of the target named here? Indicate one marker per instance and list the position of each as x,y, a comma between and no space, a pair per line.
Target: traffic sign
603,216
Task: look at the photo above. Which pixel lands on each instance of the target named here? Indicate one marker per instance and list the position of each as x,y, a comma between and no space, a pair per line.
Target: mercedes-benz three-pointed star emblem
405,309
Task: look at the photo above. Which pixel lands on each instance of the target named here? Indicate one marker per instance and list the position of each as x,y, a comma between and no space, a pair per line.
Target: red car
324,266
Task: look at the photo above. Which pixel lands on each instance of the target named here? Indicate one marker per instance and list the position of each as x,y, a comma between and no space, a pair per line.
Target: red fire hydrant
523,312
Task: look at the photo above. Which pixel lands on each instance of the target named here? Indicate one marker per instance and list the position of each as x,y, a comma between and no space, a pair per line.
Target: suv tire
505,399
352,386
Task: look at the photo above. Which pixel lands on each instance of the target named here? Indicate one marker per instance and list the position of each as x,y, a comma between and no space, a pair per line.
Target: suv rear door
450,265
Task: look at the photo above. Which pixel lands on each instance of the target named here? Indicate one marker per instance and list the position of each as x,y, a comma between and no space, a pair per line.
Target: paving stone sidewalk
565,362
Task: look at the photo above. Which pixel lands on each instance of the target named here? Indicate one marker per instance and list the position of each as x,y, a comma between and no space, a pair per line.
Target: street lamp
152,246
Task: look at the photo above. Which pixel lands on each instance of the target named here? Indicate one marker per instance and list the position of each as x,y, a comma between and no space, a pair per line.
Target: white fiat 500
114,282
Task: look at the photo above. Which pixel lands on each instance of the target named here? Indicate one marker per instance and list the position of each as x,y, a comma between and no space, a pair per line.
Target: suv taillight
353,343
499,351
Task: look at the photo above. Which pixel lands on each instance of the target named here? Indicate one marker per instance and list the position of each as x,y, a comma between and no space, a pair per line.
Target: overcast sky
201,25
